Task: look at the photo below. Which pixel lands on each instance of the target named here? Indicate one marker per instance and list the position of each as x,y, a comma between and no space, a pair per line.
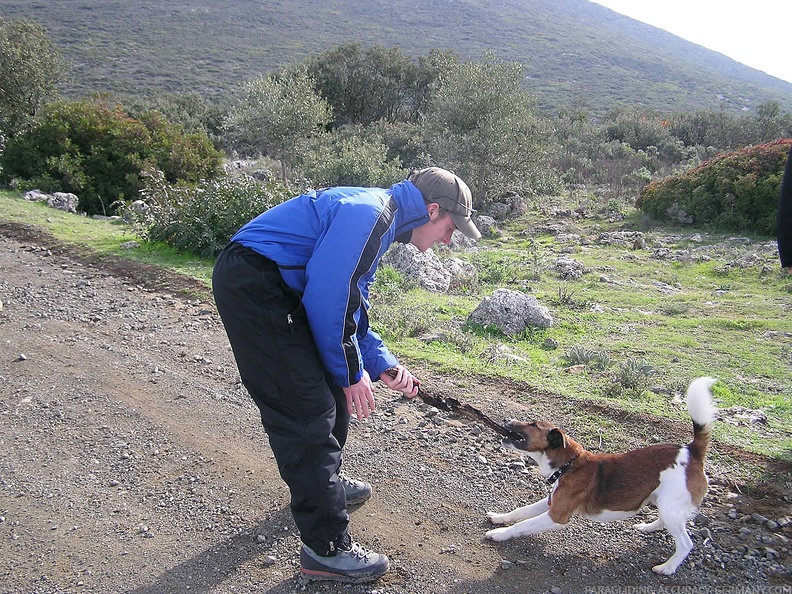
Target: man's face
438,230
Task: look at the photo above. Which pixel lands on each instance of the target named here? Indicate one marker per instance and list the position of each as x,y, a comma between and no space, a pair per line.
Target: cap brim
466,226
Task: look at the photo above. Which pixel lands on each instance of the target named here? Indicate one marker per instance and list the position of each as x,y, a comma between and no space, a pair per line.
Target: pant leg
280,366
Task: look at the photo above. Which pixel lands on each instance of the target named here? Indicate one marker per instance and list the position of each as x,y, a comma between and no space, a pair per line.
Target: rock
462,273
511,312
569,269
759,518
487,226
550,344
65,201
135,211
425,268
36,196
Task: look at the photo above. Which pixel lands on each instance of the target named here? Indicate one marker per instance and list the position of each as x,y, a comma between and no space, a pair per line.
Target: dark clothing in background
784,233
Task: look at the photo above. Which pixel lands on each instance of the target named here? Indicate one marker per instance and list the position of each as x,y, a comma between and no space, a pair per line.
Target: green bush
201,218
96,151
735,191
346,159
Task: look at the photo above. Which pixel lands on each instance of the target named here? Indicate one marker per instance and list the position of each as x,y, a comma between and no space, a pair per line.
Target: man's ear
433,208
556,439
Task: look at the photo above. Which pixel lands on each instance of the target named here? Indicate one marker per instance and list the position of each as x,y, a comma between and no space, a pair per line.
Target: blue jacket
327,245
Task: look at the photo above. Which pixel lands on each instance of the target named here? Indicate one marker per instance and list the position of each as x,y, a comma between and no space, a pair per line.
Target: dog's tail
703,413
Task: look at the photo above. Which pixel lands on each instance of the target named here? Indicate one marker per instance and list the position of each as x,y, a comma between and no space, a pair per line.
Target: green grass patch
682,317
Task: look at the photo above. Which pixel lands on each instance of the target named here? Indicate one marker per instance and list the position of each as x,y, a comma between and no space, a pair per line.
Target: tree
483,125
275,115
368,85
30,69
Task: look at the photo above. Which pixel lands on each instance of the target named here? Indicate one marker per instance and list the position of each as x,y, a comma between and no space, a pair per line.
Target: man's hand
360,397
402,381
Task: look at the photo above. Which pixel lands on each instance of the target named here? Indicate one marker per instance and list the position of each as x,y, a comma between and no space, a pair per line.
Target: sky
756,33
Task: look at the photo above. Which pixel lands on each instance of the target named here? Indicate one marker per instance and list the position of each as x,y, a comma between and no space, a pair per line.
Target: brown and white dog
607,487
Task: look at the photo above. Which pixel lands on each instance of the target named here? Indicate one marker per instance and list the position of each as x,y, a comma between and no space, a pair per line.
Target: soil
132,460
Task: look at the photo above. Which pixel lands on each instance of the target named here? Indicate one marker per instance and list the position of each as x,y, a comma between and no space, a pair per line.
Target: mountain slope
571,48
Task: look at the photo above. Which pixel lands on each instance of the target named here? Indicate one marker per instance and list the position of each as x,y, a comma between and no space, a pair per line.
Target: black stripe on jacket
355,300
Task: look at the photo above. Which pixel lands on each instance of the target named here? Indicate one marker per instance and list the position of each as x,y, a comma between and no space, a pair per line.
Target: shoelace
345,480
358,551
349,546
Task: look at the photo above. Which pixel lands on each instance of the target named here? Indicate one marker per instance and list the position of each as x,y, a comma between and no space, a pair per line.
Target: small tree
275,115
369,85
483,125
30,69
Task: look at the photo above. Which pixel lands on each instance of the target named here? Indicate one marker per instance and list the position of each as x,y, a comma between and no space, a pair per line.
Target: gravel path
132,460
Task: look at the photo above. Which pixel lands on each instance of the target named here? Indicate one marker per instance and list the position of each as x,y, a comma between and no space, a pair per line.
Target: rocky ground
131,460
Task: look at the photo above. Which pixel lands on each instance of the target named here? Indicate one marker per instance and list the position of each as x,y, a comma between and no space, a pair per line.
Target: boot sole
308,575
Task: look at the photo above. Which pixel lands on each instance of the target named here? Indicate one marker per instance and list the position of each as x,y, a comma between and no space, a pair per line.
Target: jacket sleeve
337,277
376,356
784,233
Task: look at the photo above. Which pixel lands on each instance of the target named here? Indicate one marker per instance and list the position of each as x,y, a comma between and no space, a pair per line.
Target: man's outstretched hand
400,379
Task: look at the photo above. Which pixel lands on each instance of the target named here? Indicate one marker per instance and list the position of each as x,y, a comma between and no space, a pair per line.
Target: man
784,234
292,291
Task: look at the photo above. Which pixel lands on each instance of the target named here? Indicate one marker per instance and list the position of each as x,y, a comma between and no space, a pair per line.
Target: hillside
572,48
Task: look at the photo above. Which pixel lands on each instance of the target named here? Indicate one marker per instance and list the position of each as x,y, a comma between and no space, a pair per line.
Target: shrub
735,191
580,355
202,218
96,151
341,159
632,377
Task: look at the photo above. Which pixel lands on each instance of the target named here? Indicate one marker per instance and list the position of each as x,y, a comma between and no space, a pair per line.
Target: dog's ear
556,438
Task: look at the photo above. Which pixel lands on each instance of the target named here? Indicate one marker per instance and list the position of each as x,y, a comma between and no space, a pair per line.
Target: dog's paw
497,518
497,534
650,527
664,569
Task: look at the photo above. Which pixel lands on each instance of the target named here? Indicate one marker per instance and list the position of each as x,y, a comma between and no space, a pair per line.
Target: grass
105,237
708,314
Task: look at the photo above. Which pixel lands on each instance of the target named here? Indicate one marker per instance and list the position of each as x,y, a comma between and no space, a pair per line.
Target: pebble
759,518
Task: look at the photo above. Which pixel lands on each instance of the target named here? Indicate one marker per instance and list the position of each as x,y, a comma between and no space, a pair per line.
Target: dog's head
537,437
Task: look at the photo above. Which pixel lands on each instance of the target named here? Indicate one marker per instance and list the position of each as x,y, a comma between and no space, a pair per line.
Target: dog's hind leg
675,522
521,513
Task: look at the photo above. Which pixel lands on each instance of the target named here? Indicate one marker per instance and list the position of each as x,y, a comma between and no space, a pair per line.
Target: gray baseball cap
451,193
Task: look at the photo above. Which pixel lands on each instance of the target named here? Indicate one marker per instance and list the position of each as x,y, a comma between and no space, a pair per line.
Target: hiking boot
356,491
347,562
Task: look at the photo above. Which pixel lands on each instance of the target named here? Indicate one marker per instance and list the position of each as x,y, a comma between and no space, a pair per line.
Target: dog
608,487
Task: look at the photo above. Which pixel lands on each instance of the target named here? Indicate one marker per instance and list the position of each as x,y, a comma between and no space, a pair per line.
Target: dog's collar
561,471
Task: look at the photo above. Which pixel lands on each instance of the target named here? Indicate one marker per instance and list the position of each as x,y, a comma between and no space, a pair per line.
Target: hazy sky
756,33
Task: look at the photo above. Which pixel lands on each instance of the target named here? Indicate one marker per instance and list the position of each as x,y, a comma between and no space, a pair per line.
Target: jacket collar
411,212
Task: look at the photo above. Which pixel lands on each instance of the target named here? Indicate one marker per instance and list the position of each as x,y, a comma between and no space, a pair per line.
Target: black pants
303,413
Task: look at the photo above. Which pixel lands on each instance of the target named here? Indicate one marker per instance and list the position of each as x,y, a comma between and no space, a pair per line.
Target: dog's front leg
521,513
537,525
